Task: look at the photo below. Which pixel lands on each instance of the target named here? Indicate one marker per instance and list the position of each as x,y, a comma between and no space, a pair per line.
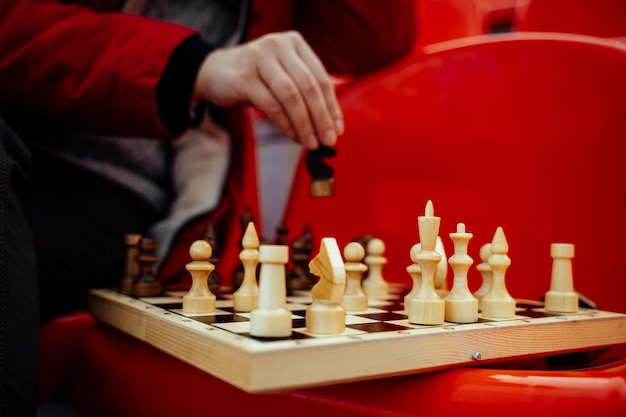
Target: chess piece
354,299
374,285
215,279
131,266
271,318
562,298
427,307
244,220
498,304
416,275
485,272
326,315
146,285
246,297
461,305
199,298
441,273
322,181
300,278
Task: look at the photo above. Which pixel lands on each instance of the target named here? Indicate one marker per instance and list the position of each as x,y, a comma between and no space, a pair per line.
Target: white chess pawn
416,275
461,305
374,285
199,299
245,299
485,273
562,298
498,304
354,298
441,273
271,318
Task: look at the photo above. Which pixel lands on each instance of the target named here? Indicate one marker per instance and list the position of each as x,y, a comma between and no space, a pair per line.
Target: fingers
313,108
283,77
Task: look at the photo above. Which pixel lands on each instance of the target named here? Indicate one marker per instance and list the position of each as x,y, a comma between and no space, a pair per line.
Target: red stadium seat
60,338
443,20
522,131
602,18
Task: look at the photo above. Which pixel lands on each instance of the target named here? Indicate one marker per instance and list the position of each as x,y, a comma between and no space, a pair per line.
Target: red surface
522,131
117,375
59,343
603,18
443,20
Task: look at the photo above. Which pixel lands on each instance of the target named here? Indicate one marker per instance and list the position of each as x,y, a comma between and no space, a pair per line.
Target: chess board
378,342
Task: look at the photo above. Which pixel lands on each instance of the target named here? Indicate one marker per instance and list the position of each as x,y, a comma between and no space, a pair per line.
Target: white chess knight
326,315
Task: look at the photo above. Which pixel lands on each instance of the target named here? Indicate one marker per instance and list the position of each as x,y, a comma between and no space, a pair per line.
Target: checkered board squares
377,342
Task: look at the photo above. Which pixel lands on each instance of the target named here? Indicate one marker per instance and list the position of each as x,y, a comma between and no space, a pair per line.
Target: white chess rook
271,318
562,298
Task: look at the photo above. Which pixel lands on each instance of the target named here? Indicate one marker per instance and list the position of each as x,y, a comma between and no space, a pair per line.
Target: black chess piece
215,280
146,285
300,277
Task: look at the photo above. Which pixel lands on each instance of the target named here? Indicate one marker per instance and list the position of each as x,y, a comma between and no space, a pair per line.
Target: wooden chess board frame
258,366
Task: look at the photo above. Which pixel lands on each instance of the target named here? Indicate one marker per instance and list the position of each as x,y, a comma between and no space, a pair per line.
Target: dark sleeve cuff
175,87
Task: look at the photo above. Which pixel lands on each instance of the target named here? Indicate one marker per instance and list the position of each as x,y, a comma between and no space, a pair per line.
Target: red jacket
87,68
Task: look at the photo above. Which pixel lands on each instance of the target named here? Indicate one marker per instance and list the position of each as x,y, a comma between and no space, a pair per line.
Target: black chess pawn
300,277
146,284
215,280
131,266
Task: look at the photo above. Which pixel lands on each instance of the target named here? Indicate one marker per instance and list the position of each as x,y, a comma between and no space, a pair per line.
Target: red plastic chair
520,131
602,18
523,131
60,338
444,20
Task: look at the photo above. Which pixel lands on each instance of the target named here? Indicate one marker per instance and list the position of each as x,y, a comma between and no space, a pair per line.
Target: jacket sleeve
356,36
85,70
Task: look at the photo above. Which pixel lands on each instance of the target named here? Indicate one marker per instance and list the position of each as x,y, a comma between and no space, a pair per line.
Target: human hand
281,75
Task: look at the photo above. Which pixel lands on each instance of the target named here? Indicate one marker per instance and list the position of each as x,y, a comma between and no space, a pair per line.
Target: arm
356,36
86,70
104,72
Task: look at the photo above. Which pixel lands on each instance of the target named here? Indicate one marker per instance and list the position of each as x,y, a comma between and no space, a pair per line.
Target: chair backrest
523,131
443,20
603,18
